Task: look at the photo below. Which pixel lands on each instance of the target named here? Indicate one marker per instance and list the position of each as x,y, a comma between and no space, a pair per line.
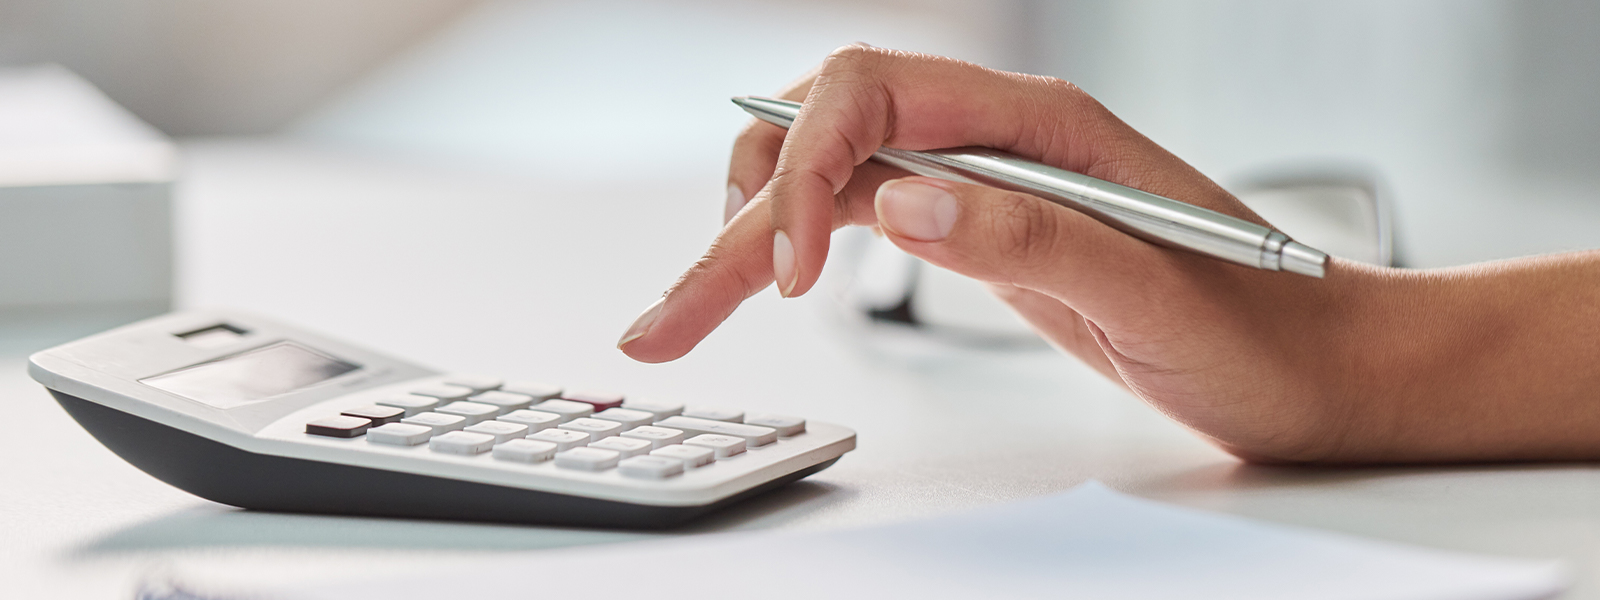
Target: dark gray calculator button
379,415
339,427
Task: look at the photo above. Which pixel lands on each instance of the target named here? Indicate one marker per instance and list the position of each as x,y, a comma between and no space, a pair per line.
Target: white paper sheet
1091,542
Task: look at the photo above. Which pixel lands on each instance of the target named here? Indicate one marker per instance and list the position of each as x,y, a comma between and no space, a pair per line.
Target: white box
85,209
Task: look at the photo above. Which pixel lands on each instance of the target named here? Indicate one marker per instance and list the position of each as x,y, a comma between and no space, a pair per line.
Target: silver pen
1155,219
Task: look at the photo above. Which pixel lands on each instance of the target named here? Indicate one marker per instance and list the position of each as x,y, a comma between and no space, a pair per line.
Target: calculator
257,414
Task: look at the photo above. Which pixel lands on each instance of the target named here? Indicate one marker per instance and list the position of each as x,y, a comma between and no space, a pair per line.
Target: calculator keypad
535,423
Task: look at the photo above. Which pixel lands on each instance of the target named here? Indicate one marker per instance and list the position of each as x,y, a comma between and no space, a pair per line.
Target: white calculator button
503,431
596,428
650,467
563,439
753,435
657,436
475,412
588,459
661,410
724,445
628,418
568,409
478,383
538,391
599,400
691,456
536,420
712,413
528,451
399,434
507,401
462,442
339,427
627,447
413,405
786,426
443,391
439,422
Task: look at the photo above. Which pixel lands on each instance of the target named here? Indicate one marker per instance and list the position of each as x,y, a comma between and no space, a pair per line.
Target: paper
1091,542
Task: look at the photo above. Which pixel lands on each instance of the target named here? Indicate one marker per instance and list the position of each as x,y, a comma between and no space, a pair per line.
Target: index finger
865,98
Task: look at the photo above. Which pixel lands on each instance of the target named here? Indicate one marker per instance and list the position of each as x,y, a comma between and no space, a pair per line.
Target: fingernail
916,210
642,324
783,263
735,203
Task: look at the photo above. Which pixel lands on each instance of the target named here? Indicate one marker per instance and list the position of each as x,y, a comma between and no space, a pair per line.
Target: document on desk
1090,542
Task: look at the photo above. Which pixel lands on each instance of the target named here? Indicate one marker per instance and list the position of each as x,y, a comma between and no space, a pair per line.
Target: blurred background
470,184
1479,122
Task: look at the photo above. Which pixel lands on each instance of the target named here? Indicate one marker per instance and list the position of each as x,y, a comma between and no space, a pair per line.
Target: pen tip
741,100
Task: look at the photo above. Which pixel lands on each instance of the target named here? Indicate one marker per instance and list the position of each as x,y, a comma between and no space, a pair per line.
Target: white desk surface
515,275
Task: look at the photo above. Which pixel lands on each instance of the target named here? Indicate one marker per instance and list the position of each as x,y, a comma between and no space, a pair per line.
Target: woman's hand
1270,366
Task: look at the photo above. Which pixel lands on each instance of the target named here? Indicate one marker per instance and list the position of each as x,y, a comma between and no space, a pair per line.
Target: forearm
1491,362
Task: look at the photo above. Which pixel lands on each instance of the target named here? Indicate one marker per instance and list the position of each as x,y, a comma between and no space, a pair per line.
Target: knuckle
1024,231
727,282
853,54
1063,92
842,210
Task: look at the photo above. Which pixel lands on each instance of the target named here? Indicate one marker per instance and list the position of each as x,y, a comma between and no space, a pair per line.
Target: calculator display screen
255,375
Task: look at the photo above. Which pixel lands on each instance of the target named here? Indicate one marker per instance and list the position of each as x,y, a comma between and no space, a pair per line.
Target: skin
1489,362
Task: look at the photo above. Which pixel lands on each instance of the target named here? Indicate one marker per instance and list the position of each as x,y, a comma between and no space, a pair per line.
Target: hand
1270,366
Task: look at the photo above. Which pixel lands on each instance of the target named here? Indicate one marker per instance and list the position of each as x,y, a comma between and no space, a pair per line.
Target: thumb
1017,239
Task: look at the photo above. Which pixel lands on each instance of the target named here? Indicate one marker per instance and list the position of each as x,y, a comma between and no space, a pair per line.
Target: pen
1155,219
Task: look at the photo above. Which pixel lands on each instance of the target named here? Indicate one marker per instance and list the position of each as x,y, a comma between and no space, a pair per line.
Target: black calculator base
225,474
